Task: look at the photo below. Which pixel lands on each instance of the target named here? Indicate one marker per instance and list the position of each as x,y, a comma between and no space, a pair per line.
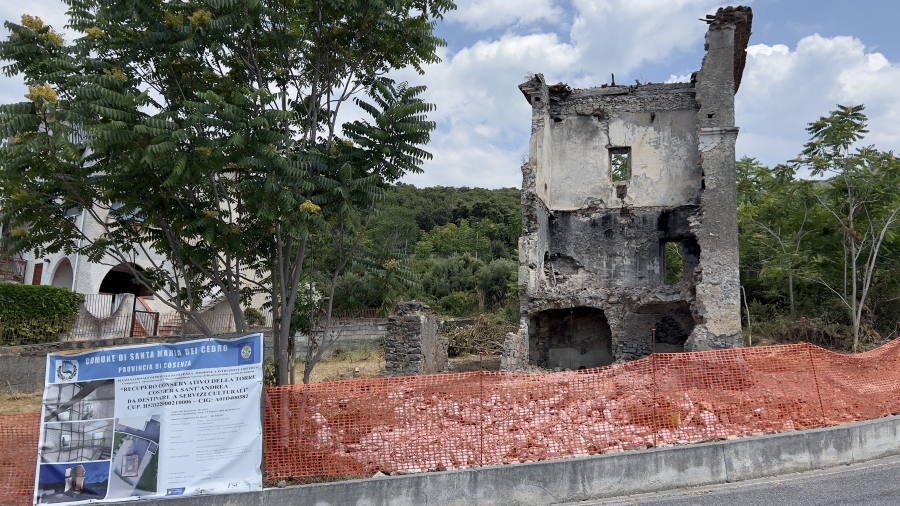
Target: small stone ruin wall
413,344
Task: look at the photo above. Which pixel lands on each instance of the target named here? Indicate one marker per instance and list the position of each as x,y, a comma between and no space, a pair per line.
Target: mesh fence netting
18,457
421,423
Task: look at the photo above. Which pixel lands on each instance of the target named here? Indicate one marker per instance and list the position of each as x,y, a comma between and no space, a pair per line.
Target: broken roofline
739,18
617,178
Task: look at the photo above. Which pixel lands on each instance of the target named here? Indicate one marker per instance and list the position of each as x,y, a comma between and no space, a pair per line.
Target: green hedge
26,302
35,314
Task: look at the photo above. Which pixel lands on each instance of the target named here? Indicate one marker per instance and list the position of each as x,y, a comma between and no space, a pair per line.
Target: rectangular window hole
673,262
620,163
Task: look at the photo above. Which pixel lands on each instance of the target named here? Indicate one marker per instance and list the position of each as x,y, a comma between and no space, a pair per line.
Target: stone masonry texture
616,176
413,344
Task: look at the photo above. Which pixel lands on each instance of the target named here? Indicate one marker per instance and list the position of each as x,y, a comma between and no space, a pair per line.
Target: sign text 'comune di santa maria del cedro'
151,420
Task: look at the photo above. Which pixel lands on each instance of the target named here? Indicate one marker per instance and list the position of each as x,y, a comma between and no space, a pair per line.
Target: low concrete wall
22,373
595,477
23,368
353,333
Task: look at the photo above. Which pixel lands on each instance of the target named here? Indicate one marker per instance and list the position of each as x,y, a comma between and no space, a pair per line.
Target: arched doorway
120,280
63,275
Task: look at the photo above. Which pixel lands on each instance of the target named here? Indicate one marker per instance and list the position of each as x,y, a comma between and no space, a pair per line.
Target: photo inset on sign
77,441
72,402
135,462
72,482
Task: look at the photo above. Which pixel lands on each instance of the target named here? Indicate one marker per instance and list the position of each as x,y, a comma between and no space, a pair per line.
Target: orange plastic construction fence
18,457
423,423
435,422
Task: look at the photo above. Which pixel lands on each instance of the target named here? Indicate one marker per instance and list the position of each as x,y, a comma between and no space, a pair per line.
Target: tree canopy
209,133
829,245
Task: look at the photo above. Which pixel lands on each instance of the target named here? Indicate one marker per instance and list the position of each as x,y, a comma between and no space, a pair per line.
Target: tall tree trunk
854,304
791,288
234,302
314,355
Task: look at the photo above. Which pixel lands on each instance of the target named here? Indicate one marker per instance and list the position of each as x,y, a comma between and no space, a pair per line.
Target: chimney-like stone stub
413,345
621,183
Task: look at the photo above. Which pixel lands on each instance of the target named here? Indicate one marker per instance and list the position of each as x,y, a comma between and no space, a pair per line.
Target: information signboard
151,420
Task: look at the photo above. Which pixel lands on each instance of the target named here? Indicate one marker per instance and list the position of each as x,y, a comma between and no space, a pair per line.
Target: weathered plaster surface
592,255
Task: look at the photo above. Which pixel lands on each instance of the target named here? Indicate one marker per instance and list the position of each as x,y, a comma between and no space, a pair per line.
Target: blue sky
804,57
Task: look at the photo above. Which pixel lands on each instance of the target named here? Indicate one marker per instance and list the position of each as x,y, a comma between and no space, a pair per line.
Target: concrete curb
596,477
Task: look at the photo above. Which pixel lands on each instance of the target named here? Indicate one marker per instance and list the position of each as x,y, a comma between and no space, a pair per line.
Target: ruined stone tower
616,176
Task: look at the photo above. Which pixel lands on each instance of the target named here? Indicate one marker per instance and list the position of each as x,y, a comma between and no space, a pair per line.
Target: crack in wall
595,246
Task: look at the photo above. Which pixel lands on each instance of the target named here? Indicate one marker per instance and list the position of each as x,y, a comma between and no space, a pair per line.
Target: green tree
774,216
860,199
209,131
492,281
443,276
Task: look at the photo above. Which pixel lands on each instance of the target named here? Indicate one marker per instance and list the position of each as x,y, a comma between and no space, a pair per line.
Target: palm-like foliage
204,138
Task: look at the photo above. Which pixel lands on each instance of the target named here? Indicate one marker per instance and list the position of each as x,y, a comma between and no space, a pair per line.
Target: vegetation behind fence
33,330
23,302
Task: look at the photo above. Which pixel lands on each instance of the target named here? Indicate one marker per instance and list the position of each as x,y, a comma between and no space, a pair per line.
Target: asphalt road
874,483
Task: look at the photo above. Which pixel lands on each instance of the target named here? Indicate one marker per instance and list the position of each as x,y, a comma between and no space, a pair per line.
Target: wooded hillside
819,244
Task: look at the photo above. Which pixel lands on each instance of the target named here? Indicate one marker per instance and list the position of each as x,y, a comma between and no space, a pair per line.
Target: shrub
820,331
22,302
457,304
254,316
34,313
269,377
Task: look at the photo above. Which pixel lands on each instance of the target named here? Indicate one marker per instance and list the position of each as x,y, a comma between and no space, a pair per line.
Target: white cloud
487,14
783,90
621,34
485,123
684,78
484,120
463,157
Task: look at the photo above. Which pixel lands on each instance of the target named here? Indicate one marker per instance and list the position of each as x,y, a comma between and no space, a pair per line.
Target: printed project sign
151,420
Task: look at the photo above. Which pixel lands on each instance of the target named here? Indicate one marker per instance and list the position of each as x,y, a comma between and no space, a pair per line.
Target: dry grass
13,404
819,331
471,362
343,364
347,364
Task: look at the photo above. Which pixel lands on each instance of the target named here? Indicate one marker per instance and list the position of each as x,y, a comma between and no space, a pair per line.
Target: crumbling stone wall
592,257
413,344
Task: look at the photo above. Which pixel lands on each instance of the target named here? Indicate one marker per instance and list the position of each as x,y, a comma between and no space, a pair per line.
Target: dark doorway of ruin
671,335
575,338
673,322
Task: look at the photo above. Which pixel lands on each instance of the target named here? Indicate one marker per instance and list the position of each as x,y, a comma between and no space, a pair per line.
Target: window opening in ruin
673,257
620,164
572,338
